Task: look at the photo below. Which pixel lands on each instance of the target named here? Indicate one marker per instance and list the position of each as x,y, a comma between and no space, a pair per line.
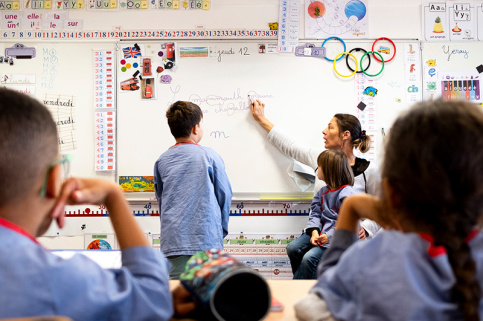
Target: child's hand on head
76,191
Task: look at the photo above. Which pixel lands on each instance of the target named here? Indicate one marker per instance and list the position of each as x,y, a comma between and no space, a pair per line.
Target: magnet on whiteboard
166,79
361,106
169,65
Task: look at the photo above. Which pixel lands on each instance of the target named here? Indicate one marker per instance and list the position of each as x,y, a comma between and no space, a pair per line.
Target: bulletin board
301,95
61,75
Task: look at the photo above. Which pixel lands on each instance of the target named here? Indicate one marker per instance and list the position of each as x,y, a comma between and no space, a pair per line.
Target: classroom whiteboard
451,61
301,95
62,72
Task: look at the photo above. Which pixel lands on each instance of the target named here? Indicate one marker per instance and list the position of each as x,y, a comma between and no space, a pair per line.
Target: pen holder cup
226,288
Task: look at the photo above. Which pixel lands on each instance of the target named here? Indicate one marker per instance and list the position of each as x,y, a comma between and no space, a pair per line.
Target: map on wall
340,18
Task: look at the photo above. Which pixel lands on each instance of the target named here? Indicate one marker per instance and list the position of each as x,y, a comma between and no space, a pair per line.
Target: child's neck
186,140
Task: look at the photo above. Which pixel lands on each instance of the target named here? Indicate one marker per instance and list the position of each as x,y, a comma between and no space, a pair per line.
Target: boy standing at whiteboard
192,190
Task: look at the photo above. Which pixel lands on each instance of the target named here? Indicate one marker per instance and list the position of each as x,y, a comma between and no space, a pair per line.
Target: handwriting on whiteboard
449,52
228,104
218,134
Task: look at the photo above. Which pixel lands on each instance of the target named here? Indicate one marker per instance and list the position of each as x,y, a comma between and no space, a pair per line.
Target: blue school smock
394,276
36,282
194,198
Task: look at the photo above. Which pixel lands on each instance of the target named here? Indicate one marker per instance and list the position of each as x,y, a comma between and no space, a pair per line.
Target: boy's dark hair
28,144
335,168
433,162
349,122
182,117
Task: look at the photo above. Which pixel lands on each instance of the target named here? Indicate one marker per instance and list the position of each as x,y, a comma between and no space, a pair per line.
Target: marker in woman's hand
250,100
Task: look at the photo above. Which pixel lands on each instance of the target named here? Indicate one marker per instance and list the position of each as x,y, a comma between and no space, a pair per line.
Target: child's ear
195,129
54,182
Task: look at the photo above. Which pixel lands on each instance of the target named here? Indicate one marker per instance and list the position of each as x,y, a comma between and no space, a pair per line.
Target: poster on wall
435,21
462,20
341,18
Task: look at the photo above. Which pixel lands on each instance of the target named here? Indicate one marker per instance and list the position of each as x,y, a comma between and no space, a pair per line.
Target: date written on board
219,53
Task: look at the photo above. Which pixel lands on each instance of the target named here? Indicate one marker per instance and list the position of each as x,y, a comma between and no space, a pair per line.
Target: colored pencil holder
226,288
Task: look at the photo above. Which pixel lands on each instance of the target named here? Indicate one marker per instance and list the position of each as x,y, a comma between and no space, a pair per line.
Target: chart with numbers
105,141
104,93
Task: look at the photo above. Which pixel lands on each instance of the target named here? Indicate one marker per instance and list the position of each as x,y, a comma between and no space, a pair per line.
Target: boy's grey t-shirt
194,197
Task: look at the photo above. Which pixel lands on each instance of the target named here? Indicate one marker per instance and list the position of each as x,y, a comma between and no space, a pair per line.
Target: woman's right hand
258,113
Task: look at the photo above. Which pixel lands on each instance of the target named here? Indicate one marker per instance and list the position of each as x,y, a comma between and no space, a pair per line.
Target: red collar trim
439,250
334,190
432,250
184,144
16,228
472,235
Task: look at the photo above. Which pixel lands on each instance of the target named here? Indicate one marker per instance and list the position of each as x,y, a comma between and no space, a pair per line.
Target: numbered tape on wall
105,141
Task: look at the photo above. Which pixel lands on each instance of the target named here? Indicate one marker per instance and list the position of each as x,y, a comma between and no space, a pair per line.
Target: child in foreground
429,265
334,169
36,282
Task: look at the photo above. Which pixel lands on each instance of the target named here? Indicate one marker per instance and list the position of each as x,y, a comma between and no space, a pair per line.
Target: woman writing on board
343,132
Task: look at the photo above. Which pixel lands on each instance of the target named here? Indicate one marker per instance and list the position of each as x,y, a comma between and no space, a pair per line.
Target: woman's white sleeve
290,147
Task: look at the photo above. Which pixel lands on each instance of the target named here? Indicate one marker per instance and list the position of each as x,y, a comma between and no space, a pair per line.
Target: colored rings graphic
393,45
347,60
348,54
337,38
382,60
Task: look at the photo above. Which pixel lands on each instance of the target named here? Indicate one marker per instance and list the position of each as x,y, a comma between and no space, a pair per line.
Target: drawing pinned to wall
100,241
343,18
131,184
62,108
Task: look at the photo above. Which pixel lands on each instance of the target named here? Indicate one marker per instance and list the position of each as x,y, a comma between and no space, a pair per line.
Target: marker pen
450,90
476,84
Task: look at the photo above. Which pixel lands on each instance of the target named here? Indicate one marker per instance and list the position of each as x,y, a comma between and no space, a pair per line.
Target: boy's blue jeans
304,257
178,263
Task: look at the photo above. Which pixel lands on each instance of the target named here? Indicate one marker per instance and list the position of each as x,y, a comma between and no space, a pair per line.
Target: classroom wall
399,20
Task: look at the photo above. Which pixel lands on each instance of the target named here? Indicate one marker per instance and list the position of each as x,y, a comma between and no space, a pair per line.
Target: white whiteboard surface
301,95
67,69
